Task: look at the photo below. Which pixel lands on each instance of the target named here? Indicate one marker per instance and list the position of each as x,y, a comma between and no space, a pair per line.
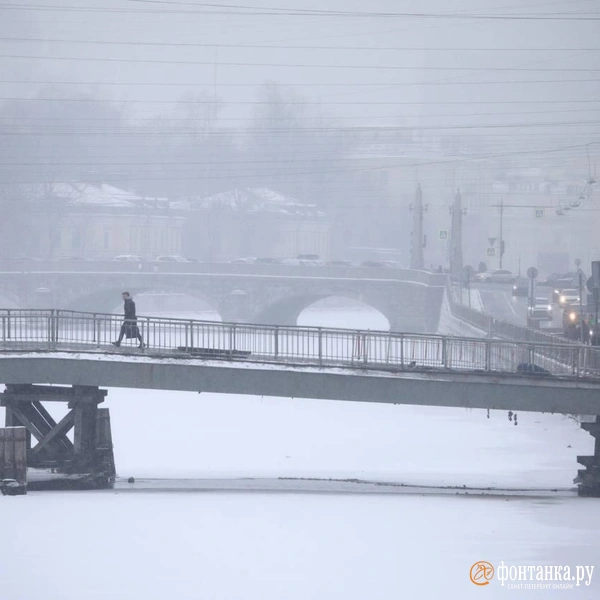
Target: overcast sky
196,43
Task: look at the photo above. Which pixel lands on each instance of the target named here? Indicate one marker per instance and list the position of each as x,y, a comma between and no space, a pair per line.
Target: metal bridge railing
53,330
549,348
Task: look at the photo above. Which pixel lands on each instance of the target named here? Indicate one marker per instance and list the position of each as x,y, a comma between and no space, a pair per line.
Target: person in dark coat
129,328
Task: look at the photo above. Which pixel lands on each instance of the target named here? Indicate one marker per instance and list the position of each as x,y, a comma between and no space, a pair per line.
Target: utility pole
581,330
501,230
456,257
502,206
417,241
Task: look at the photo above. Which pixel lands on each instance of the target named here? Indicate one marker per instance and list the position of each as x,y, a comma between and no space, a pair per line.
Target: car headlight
549,307
562,299
591,332
572,316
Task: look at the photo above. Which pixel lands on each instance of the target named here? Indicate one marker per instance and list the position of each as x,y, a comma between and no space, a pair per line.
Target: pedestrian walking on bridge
129,328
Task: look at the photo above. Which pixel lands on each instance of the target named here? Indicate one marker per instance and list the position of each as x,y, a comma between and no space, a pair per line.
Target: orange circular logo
482,573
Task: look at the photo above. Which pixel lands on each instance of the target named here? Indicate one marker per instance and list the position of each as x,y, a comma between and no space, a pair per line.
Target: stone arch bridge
270,294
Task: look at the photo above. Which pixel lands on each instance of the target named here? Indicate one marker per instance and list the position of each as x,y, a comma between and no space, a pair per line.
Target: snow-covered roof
75,193
250,200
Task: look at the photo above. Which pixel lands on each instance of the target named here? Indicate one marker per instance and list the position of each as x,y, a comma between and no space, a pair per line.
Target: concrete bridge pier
589,478
89,454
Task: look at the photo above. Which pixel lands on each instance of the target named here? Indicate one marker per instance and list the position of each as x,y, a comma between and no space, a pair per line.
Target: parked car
541,310
551,279
248,260
128,258
568,296
380,264
339,263
172,258
497,276
267,260
306,262
521,287
309,257
566,281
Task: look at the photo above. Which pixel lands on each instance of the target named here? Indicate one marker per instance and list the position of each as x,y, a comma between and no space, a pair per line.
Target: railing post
231,340
531,360
8,327
320,347
444,356
488,352
401,350
191,334
388,349
276,341
95,332
50,327
364,344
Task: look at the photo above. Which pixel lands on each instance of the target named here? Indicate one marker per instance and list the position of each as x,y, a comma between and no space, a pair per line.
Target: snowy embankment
450,325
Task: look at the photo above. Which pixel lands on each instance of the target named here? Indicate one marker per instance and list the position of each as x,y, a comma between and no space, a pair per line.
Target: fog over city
334,106
299,299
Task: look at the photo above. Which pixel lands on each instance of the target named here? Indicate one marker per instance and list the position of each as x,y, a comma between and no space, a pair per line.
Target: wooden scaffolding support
589,478
91,450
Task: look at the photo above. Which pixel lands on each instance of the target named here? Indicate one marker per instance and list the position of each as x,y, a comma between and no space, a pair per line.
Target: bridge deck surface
417,386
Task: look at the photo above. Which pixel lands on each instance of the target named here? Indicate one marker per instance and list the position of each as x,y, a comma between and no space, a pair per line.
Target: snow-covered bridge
256,293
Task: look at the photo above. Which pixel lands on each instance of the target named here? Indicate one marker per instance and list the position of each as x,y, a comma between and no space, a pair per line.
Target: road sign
491,251
596,272
443,234
532,272
590,285
538,213
492,241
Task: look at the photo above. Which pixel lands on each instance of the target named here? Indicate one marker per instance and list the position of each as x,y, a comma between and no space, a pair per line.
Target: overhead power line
289,174
303,102
318,118
219,63
285,130
211,86
294,47
240,10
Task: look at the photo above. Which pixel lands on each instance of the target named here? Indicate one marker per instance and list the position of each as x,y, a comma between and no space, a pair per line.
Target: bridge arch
108,300
287,309
343,312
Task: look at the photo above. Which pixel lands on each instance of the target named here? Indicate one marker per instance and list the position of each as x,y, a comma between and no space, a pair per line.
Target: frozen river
295,539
